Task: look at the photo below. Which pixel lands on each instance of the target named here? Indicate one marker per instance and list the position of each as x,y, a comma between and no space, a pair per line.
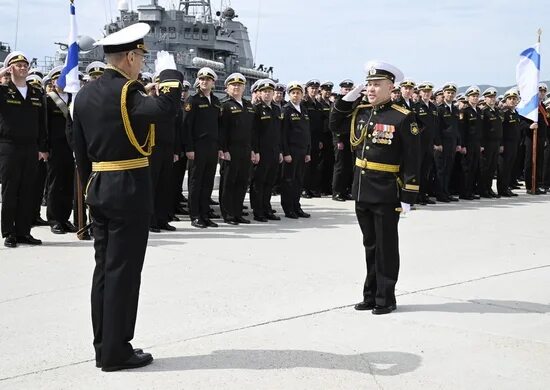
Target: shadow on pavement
387,363
479,306
522,200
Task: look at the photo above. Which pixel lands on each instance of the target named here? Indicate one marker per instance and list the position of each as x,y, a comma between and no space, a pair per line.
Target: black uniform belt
120,165
374,166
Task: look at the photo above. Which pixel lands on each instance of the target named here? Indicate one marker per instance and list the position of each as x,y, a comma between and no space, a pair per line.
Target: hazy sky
466,41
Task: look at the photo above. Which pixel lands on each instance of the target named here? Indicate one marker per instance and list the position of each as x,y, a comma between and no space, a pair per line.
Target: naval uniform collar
382,106
117,70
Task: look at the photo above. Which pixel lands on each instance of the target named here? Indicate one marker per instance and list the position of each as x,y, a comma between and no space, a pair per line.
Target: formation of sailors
264,146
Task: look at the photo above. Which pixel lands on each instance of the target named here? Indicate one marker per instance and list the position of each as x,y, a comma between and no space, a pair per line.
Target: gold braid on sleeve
147,148
353,139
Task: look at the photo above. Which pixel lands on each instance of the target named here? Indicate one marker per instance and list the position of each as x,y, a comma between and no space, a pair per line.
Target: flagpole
535,142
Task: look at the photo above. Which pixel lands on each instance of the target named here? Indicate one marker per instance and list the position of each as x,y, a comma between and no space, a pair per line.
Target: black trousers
488,166
343,169
40,188
546,172
444,162
326,163
60,181
202,171
180,167
426,165
18,165
235,183
120,240
378,224
313,172
506,163
161,168
263,180
470,165
528,166
292,183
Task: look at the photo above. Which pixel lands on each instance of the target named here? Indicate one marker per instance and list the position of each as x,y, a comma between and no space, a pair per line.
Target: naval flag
69,75
527,78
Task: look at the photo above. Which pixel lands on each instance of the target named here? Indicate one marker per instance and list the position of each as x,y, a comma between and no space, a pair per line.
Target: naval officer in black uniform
114,134
386,143
22,144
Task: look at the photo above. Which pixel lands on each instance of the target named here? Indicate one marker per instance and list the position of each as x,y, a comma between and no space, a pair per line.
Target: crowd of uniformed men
266,145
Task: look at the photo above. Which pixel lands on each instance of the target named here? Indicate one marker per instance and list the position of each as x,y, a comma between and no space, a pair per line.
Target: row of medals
382,137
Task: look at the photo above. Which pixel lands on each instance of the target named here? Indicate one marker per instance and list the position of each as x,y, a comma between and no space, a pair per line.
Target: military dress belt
120,165
374,166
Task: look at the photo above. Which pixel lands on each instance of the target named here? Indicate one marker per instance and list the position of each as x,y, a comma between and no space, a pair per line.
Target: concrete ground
269,306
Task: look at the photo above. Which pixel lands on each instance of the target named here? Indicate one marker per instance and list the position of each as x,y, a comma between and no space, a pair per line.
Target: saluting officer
201,126
238,142
268,123
511,134
426,114
386,141
296,148
61,161
22,143
114,134
491,139
343,160
471,127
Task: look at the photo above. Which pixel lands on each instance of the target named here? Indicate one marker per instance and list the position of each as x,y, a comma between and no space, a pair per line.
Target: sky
467,41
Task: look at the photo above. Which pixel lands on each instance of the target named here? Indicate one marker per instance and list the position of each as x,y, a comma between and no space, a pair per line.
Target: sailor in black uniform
114,135
511,134
386,141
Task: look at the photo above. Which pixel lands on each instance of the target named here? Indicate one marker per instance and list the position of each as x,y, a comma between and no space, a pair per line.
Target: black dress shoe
213,202
272,217
315,194
306,195
453,198
242,220
166,226
181,211
58,228
443,199
211,223
137,350
542,190
198,223
485,195
303,214
173,218
28,239
504,194
509,192
86,236
69,227
477,197
348,197
365,305
10,241
260,218
154,229
135,361
383,309
338,198
230,221
429,201
40,222
494,194
291,215
213,215
467,197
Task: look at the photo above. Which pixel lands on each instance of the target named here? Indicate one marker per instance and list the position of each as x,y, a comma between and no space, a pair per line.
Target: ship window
196,33
187,33
172,32
163,31
205,34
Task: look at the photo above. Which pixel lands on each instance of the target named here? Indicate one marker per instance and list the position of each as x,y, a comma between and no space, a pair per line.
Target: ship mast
197,7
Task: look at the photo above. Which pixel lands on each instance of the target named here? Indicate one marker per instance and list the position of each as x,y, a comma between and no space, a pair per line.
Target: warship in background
191,33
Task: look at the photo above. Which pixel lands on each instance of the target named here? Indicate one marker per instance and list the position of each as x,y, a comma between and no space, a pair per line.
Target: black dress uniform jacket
390,138
201,120
236,129
268,126
296,130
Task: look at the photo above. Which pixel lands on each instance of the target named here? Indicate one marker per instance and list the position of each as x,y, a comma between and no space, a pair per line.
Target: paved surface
270,305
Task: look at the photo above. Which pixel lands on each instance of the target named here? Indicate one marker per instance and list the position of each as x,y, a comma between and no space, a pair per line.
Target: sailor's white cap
15,56
472,90
127,39
294,85
235,78
491,91
380,70
95,68
265,84
207,72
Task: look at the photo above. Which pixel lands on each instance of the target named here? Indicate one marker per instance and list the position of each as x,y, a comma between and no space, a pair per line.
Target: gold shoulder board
401,109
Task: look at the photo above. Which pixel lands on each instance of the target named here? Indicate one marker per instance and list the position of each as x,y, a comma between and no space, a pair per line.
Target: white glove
354,93
405,208
164,61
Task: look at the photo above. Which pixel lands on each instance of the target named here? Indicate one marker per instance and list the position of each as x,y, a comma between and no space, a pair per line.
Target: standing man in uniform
312,178
511,134
201,123
296,148
22,144
114,134
326,163
268,124
386,141
450,142
491,143
238,142
343,160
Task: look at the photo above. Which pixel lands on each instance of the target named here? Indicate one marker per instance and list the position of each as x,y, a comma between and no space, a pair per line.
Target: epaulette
401,109
367,105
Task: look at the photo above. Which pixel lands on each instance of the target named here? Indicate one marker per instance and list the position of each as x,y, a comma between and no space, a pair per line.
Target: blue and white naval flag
69,75
527,78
